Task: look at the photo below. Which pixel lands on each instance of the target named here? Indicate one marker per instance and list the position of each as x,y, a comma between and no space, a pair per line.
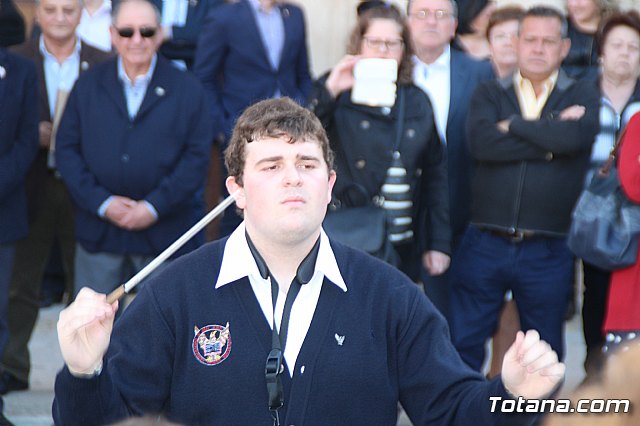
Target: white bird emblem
339,339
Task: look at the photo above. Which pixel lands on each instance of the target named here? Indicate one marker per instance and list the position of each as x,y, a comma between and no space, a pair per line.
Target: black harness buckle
273,368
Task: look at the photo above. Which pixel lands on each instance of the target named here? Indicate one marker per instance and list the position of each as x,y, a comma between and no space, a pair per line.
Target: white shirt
238,262
435,81
174,12
94,29
59,76
134,91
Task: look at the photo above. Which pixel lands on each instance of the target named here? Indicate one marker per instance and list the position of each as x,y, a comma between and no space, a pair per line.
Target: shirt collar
548,84
146,78
48,55
238,262
105,8
257,7
443,61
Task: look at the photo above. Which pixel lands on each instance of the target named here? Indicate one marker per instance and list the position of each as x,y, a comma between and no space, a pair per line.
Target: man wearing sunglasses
133,147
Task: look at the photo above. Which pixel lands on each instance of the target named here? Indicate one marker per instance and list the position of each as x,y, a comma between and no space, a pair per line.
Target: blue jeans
539,271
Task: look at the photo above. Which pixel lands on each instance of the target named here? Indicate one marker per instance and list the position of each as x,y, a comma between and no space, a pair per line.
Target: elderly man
60,57
132,148
201,345
530,135
18,147
449,77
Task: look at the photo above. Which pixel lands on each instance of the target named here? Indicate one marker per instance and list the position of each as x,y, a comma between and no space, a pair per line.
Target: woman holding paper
382,129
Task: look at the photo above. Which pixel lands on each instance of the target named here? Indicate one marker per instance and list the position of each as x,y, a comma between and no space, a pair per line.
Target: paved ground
33,407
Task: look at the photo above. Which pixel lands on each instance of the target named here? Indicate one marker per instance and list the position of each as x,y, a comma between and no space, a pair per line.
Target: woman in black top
363,138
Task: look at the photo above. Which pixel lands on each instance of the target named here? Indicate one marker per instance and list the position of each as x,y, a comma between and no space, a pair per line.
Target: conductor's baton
135,280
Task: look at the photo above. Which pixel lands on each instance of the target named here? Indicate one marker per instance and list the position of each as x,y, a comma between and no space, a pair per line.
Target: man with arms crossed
530,135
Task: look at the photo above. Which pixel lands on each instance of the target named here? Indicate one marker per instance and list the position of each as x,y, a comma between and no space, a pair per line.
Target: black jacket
530,177
363,138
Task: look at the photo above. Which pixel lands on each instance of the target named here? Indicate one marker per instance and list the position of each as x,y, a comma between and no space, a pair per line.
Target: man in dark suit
133,148
449,77
18,146
250,50
60,57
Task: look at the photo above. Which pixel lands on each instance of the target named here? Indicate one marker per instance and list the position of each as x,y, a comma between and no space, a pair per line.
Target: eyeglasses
439,14
145,32
378,44
502,37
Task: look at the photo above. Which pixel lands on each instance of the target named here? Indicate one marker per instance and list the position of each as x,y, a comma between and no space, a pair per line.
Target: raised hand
531,368
341,76
84,331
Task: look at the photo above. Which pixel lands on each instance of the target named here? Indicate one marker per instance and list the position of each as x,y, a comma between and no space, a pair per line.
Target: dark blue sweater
396,348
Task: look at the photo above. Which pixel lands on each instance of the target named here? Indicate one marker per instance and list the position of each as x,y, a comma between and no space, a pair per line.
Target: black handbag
605,225
363,227
357,219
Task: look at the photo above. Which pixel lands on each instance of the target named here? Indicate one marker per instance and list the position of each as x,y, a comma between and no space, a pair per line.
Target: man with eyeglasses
530,135
60,57
132,148
449,77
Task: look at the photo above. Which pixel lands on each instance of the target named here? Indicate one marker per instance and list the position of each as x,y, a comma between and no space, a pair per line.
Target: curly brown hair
392,13
274,118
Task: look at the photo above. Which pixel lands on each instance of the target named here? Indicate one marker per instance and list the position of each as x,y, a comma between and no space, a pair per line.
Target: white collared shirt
238,262
94,29
59,76
435,81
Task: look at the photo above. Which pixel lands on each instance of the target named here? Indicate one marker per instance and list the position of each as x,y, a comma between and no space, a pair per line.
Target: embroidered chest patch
211,344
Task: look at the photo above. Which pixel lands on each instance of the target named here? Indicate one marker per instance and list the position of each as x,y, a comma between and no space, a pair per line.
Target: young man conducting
357,336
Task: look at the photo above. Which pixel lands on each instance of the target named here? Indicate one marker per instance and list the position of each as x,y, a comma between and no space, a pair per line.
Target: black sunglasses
128,32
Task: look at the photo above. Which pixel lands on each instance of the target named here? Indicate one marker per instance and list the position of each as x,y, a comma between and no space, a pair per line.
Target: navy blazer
18,141
233,64
466,74
160,156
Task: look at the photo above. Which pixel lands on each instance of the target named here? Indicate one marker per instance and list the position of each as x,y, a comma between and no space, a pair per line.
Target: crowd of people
499,116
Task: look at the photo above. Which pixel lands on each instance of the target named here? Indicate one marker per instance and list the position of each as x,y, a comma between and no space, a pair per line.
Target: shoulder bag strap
606,167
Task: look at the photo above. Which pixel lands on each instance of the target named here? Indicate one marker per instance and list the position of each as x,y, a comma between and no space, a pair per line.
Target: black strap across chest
275,365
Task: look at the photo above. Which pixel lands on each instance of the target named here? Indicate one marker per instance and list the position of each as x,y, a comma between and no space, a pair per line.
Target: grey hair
116,10
546,12
454,7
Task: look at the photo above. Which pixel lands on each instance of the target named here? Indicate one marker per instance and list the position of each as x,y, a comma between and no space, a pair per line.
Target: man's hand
503,125
531,368
574,112
84,331
341,76
118,208
435,262
45,129
138,217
